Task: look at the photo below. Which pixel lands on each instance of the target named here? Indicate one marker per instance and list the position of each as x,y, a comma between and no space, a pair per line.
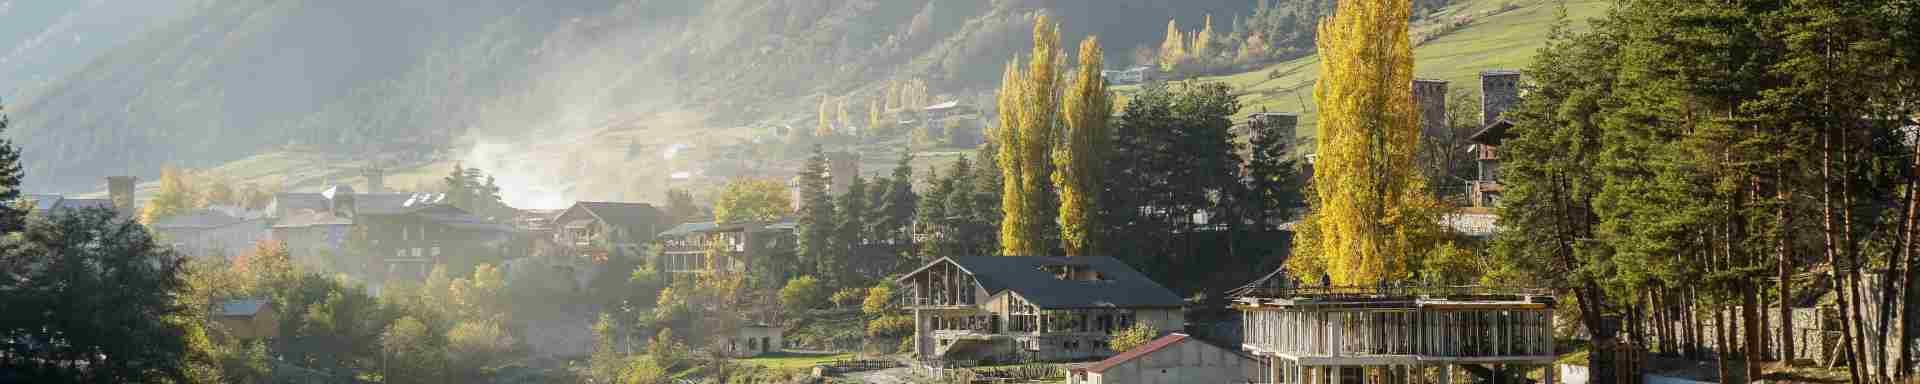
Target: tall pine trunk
1783,196
1832,252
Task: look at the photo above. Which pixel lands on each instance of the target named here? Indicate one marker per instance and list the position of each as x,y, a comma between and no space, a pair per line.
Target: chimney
376,179
1431,97
1499,91
120,191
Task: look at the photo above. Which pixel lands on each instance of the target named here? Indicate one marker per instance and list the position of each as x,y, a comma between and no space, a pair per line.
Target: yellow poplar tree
841,110
1174,47
1371,214
873,116
1203,39
1025,158
826,118
176,195
1078,161
1006,135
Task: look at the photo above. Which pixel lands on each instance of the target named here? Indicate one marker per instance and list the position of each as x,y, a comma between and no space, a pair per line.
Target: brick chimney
376,179
1499,91
120,191
1431,97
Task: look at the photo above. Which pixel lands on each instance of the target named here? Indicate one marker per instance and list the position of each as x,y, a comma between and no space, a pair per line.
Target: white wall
1190,361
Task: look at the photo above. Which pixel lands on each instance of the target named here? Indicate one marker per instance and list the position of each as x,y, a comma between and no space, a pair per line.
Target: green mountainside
1490,35
582,87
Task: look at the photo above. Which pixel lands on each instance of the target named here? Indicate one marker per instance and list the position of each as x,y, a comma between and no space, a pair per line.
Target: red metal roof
1152,346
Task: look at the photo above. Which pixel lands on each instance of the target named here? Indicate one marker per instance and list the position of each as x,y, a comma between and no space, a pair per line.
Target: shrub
1133,337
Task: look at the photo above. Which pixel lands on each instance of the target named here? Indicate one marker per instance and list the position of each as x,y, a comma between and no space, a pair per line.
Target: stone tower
841,168
376,179
120,191
1430,96
1499,91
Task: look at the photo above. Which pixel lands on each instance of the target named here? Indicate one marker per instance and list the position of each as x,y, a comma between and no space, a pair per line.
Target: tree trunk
1832,253
1784,197
1868,357
1723,347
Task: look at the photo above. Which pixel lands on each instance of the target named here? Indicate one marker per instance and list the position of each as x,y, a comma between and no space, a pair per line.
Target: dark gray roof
199,218
1122,286
689,228
621,214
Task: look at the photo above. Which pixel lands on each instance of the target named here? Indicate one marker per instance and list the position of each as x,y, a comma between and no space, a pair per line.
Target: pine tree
459,187
898,204
850,224
1031,101
816,222
12,218
1078,171
1365,179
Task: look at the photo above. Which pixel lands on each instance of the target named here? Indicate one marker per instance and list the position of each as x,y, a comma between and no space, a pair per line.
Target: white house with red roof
1174,358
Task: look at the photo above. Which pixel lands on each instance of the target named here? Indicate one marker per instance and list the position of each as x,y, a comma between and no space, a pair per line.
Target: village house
405,233
971,309
755,339
1133,75
248,319
1174,358
1389,333
601,230
222,231
686,248
120,199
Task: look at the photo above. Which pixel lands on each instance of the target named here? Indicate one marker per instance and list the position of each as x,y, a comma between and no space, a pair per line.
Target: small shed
1174,358
248,319
756,339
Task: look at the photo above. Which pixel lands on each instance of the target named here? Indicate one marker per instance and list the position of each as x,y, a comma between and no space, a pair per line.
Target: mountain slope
42,40
233,78
1502,35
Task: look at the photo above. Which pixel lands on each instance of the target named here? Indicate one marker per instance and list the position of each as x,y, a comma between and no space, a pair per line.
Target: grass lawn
1506,40
786,360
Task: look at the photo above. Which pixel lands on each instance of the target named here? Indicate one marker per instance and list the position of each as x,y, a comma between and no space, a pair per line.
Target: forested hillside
231,78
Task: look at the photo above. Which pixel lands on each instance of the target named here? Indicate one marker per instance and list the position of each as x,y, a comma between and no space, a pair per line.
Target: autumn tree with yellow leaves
1028,107
1078,162
1372,218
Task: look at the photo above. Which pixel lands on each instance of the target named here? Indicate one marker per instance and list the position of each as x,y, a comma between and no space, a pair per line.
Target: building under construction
1396,334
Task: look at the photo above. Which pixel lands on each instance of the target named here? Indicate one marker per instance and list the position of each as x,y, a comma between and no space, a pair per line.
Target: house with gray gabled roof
603,229
972,309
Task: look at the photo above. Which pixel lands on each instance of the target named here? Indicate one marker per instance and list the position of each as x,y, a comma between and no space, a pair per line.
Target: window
436,251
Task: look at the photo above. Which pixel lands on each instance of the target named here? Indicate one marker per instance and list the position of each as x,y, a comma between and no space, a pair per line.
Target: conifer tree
12,218
1367,186
816,222
1078,162
1031,101
849,225
898,203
